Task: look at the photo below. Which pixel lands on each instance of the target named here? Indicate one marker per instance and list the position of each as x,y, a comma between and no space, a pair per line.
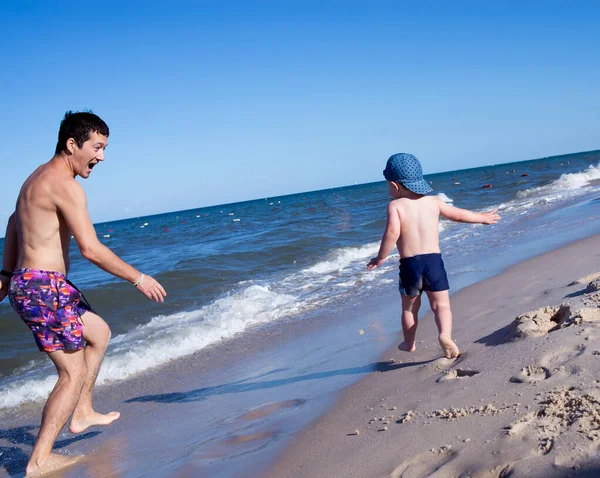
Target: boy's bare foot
448,346
83,422
406,348
51,464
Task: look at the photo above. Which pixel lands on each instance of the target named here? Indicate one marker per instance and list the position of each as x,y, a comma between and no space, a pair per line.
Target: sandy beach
522,400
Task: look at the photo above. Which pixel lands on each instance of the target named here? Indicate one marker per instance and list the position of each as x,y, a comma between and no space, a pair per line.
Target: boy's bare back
418,219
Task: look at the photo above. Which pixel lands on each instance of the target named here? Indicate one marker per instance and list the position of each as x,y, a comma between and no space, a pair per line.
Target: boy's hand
375,263
490,217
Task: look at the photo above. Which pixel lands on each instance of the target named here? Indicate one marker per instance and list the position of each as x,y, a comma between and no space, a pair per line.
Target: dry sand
522,400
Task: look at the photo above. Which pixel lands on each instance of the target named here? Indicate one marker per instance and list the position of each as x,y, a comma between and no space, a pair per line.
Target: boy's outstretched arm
464,215
389,239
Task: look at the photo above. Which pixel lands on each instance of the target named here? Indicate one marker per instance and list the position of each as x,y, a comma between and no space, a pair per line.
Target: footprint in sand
271,408
561,356
430,463
569,414
457,374
530,374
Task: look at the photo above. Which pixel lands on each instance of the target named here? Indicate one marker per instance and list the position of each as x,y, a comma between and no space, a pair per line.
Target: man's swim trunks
50,306
422,272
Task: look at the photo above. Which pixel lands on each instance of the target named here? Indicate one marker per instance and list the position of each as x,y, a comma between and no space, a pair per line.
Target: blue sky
215,102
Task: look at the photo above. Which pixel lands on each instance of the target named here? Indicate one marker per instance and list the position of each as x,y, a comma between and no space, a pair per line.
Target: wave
166,338
566,182
170,337
342,258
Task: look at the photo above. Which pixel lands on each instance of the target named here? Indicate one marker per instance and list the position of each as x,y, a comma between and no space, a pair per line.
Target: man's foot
406,347
51,464
82,422
448,346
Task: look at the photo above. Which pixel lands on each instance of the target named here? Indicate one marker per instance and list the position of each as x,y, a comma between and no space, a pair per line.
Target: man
50,208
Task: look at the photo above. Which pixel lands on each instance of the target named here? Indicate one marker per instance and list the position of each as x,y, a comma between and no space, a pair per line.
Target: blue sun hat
405,169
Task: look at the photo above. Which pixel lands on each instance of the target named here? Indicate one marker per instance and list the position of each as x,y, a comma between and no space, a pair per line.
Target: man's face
90,154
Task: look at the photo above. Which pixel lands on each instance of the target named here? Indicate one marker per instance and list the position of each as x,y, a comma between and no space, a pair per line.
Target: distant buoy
485,186
230,214
106,235
236,220
457,182
524,174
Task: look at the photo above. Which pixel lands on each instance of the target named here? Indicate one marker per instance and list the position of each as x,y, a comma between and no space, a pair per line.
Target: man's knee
95,330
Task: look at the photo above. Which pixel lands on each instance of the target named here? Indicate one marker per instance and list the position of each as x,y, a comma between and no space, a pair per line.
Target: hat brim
419,187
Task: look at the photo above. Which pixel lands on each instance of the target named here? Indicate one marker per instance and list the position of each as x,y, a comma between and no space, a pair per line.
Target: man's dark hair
79,126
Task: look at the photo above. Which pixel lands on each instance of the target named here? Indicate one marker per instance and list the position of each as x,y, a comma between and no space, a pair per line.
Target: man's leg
440,305
72,371
96,334
410,321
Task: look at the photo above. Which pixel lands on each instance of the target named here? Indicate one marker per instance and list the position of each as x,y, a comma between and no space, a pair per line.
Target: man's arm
389,239
9,255
72,204
464,215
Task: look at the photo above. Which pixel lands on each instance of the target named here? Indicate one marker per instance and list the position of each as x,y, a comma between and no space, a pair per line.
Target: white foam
166,338
445,198
342,258
566,182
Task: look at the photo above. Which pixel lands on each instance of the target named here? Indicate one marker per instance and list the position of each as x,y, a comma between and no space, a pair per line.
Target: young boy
412,226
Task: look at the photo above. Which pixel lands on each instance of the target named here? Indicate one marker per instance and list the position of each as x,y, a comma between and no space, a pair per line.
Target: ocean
238,266
270,313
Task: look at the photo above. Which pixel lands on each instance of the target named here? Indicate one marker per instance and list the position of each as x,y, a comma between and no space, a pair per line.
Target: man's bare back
44,235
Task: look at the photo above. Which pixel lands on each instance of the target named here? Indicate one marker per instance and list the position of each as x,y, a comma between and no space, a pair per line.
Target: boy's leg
72,371
440,305
410,321
97,335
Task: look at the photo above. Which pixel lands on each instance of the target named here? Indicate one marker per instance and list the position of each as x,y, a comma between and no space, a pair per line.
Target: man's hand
4,282
152,289
375,263
490,217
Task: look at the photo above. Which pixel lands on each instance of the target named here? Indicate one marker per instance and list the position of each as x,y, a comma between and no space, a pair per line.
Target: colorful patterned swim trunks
50,306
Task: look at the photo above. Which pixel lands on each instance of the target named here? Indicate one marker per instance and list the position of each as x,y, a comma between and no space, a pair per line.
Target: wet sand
522,400
232,410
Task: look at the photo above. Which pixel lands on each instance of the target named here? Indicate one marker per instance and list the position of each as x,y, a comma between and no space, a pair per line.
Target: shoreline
299,375
452,417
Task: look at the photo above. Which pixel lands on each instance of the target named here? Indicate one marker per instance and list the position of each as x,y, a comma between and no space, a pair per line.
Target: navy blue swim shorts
422,272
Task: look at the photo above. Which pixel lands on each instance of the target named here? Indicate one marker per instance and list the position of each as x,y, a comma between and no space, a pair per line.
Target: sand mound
586,279
548,319
541,321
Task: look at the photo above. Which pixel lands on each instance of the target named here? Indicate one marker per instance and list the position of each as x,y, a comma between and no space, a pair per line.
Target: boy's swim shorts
422,272
50,306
